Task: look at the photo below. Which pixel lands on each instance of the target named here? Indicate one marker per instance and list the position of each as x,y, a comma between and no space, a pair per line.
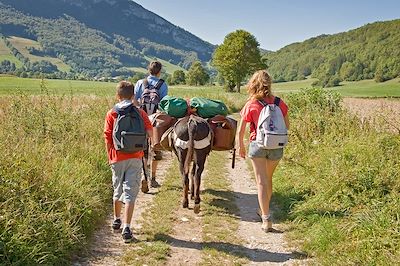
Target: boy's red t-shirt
114,155
251,112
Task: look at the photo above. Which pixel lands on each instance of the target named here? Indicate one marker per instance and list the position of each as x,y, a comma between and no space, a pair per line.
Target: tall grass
54,181
340,183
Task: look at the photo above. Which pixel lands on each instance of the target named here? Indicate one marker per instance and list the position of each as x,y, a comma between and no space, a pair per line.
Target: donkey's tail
189,155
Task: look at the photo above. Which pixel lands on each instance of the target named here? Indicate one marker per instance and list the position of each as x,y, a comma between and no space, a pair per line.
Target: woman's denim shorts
255,151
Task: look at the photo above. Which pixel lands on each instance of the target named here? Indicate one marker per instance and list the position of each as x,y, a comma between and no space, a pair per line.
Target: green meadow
337,187
365,88
5,54
22,44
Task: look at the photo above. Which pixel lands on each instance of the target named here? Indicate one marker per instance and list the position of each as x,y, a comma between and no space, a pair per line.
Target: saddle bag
207,108
161,123
173,106
166,141
224,129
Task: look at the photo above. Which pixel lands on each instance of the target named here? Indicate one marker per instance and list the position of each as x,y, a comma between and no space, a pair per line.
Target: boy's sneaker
154,183
116,225
127,235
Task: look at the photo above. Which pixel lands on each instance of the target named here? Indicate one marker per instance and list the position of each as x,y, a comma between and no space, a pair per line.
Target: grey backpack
129,134
151,96
272,132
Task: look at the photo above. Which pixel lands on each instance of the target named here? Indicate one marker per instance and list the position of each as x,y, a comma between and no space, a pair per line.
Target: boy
125,167
154,80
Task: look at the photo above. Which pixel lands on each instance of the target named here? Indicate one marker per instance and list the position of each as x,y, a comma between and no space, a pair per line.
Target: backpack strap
159,83
277,101
262,102
145,83
128,109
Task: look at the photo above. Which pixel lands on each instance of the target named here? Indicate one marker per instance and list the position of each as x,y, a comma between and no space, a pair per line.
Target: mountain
371,51
95,36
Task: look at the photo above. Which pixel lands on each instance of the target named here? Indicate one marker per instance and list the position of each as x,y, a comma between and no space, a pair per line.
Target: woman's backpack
272,132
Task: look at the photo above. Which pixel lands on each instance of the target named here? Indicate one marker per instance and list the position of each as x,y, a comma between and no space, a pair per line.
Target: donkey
191,141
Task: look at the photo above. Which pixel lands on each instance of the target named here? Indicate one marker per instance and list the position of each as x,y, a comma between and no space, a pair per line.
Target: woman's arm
242,129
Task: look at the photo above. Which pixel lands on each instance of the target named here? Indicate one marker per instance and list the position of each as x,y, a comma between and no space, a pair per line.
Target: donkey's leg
200,161
191,181
185,179
185,202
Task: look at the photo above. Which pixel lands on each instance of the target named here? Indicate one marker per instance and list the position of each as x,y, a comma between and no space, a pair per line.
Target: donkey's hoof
145,186
196,208
185,204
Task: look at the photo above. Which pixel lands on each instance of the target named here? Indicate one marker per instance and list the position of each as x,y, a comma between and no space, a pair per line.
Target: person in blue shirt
154,69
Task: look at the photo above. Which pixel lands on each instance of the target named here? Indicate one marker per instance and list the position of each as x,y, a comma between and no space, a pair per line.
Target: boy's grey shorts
126,177
257,152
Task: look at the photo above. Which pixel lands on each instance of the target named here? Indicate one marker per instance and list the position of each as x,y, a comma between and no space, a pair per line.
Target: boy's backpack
150,97
129,134
271,131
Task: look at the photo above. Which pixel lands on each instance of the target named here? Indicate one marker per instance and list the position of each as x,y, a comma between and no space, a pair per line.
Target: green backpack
173,106
207,108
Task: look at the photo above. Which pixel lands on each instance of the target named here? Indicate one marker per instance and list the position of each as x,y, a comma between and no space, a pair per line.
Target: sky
275,24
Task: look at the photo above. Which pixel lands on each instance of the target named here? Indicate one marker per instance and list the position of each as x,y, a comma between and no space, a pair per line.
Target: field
360,89
21,45
14,85
339,199
5,54
364,88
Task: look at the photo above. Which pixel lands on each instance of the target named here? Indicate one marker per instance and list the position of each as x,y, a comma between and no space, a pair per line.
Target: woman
264,161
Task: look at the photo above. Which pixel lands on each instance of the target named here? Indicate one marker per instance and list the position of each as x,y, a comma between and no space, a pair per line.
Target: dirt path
385,110
187,229
106,247
261,248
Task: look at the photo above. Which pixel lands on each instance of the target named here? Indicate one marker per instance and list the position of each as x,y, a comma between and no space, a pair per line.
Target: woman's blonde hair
259,85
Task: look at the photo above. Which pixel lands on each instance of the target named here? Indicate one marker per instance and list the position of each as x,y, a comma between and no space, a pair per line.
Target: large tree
197,75
178,77
237,57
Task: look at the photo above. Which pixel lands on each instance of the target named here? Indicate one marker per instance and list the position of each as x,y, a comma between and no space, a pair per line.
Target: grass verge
54,177
339,184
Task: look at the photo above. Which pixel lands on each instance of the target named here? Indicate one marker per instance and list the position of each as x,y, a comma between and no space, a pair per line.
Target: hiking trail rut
260,248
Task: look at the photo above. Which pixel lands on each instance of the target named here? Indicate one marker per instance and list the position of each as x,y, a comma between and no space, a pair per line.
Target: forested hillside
100,36
372,51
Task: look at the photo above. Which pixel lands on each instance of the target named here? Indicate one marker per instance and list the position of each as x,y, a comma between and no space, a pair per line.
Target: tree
136,77
178,77
197,75
237,57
